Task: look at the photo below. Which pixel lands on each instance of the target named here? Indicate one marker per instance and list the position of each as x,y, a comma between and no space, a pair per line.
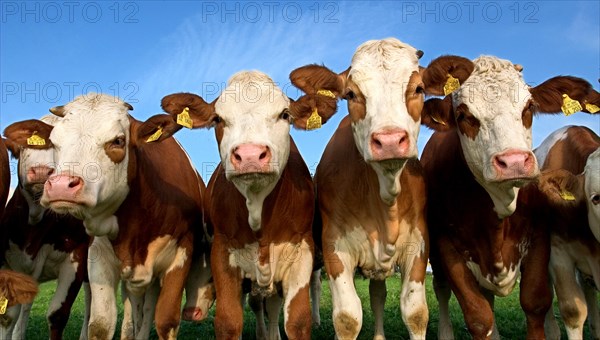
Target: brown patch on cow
299,320
311,78
97,329
467,123
436,74
572,152
357,103
303,108
438,114
4,175
19,132
417,322
415,92
202,113
527,115
549,94
115,149
346,327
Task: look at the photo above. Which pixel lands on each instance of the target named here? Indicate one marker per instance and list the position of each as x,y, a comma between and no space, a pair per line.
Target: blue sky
142,51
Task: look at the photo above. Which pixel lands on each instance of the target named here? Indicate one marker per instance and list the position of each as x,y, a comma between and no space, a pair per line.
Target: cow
260,201
40,243
369,184
481,212
570,161
117,174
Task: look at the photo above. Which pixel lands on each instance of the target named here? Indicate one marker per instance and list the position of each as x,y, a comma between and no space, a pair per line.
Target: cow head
34,167
91,146
566,192
384,87
252,119
492,112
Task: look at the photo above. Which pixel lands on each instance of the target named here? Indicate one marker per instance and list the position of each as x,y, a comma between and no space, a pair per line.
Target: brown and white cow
570,159
40,243
260,201
370,187
481,221
118,176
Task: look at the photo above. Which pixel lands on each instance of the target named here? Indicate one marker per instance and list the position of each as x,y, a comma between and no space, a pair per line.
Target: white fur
496,94
591,188
89,123
381,69
250,107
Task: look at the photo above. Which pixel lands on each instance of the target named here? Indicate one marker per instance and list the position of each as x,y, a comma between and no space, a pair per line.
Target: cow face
592,191
90,147
492,112
384,88
34,168
251,118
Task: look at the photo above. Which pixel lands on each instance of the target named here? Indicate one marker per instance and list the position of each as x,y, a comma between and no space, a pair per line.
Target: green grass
509,316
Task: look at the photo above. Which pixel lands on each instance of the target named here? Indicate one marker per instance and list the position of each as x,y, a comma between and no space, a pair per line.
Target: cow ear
156,129
438,114
189,110
18,288
32,133
436,75
562,188
553,94
322,88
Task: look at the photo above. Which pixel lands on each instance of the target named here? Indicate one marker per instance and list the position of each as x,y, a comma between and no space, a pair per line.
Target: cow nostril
74,182
377,142
501,163
262,156
402,139
237,157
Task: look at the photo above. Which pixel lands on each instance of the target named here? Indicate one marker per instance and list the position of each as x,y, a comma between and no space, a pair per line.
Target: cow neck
254,202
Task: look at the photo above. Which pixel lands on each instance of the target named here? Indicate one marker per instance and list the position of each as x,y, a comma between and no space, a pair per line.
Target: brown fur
18,133
467,123
200,111
571,153
435,75
548,95
459,232
17,288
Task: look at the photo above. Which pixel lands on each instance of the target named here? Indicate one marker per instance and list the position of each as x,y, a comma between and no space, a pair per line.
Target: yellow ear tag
567,196
326,93
452,84
156,135
184,119
592,108
3,305
570,106
438,120
35,139
314,121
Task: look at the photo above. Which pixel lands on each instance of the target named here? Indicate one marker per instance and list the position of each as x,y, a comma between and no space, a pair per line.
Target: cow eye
285,115
596,199
118,142
349,95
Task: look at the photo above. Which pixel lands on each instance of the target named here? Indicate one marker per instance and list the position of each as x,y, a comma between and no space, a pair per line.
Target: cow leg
228,284
476,309
68,285
315,296
413,302
593,313
150,300
377,295
256,303
86,311
103,272
347,309
571,299
443,293
8,322
551,326
168,305
128,325
273,306
536,293
296,292
20,323
491,297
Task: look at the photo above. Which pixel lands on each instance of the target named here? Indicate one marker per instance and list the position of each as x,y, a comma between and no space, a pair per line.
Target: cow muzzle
514,165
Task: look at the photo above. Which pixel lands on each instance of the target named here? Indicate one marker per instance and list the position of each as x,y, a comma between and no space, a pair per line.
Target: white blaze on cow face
386,74
592,191
495,134
90,148
254,142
